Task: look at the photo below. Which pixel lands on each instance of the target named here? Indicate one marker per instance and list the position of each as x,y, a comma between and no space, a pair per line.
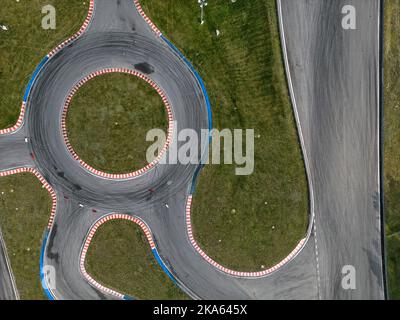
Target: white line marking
307,164
9,269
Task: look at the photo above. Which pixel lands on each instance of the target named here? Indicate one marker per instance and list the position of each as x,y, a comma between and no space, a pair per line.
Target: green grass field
244,222
24,205
392,143
110,133
24,212
25,43
120,257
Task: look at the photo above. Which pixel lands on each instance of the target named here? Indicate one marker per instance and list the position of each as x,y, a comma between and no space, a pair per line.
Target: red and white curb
226,270
122,175
89,239
49,55
45,184
78,34
146,18
19,121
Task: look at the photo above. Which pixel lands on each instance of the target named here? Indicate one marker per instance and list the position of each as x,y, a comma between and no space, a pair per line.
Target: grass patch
244,222
25,43
22,46
120,258
392,144
110,133
24,212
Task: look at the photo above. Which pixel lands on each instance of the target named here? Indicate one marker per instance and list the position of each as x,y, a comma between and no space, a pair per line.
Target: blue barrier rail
198,77
204,90
154,251
162,265
42,279
33,78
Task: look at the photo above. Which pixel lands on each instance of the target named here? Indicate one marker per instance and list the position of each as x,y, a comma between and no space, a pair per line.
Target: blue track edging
42,280
33,78
154,251
209,112
46,235
199,79
163,266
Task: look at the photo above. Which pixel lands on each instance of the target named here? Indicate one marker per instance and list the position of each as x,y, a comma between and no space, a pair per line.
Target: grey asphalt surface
14,154
7,291
334,76
14,151
115,45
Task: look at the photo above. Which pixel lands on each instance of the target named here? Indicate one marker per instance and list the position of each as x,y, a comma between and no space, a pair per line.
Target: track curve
89,54
83,198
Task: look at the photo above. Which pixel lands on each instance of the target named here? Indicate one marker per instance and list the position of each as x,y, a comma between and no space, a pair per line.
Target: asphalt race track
7,282
334,77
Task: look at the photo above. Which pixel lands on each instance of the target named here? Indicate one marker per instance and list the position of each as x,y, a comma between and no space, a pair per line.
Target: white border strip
257,274
312,222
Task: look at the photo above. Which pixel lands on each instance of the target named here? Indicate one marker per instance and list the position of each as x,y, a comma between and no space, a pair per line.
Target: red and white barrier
49,55
78,34
19,121
146,18
122,175
45,184
89,239
226,270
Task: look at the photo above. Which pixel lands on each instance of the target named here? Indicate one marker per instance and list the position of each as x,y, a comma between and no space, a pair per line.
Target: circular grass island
108,119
